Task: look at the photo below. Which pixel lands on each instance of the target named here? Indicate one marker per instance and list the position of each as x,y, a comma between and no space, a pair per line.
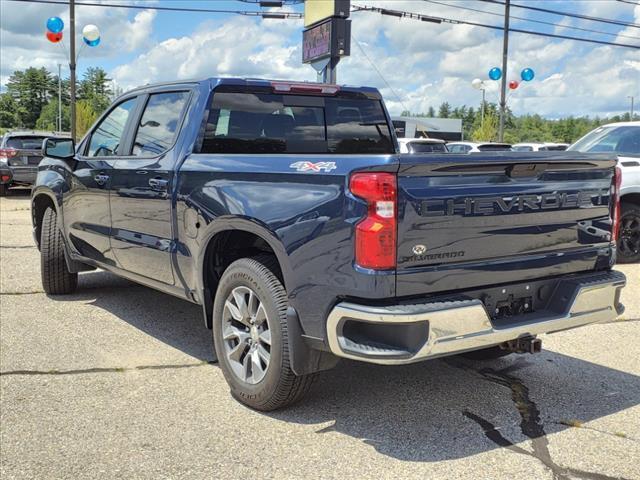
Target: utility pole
72,64
632,99
503,84
482,110
59,99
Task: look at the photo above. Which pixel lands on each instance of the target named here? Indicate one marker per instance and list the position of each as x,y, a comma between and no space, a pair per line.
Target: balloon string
79,52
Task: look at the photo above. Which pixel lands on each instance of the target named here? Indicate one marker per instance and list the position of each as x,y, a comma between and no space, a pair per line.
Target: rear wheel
4,189
251,338
629,234
56,278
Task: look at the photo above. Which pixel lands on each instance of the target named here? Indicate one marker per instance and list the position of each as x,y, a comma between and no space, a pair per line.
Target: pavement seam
106,369
530,424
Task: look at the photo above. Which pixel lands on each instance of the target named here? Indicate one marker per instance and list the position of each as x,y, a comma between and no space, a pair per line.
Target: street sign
316,11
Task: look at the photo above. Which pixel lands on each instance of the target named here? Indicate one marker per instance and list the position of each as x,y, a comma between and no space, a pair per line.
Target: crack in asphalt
530,425
17,246
106,369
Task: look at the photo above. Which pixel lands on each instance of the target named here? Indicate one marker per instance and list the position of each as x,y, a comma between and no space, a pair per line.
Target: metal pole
59,99
72,64
632,98
330,74
482,109
503,84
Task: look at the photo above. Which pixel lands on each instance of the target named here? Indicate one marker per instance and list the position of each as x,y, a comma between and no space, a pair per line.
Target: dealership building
448,129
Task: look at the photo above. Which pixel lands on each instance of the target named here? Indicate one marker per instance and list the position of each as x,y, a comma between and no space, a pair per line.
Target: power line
379,73
433,19
542,22
568,14
629,2
267,14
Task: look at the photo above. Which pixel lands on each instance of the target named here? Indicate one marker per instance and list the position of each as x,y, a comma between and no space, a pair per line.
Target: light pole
72,65
59,99
479,84
503,85
632,99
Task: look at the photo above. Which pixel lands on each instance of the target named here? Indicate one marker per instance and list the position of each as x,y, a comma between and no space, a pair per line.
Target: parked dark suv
20,154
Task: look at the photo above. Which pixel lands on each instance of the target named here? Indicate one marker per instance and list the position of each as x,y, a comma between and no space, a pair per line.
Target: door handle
101,179
158,184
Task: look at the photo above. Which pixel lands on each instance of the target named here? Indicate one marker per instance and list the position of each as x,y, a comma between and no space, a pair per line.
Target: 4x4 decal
313,167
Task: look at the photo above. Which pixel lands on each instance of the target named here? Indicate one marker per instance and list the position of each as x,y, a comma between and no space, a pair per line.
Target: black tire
279,387
629,234
492,353
56,278
4,189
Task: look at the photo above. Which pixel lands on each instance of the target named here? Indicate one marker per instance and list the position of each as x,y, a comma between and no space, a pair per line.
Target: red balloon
513,84
54,37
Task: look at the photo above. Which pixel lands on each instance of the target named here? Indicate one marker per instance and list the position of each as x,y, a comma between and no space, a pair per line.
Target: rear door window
243,122
159,123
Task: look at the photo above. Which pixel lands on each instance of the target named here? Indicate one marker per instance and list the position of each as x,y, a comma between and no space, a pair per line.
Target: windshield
25,143
623,140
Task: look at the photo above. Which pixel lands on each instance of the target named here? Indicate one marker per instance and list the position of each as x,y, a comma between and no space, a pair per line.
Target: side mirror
60,148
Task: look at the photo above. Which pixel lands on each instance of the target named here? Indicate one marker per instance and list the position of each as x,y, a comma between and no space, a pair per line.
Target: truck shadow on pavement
431,411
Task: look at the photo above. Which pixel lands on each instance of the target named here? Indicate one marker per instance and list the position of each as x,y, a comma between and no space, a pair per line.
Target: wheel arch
235,238
40,201
633,197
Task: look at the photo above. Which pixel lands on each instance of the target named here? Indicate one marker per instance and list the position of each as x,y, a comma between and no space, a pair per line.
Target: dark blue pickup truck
286,211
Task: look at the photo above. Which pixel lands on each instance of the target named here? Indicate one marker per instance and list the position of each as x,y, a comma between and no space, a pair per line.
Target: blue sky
420,64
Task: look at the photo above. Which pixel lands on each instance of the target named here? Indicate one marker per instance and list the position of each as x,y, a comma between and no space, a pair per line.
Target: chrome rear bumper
429,330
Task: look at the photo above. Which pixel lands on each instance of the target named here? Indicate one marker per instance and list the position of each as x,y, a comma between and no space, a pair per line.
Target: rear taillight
376,233
616,182
8,152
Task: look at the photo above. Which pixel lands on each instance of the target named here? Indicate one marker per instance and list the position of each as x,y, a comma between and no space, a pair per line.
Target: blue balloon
55,25
92,43
495,73
527,74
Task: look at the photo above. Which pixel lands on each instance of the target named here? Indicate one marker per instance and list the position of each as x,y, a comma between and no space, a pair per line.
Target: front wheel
56,278
250,336
4,189
629,234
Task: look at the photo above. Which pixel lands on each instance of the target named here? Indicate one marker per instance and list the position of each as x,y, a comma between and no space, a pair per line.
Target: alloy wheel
246,335
629,242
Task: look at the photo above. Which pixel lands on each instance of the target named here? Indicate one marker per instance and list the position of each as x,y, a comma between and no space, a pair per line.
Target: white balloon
90,32
477,83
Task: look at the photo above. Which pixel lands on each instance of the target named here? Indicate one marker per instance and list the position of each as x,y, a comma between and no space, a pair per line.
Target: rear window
522,148
420,147
25,143
246,122
494,147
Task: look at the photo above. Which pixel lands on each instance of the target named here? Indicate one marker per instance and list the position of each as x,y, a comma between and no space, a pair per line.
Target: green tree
48,119
31,90
487,131
9,115
85,117
431,112
444,110
95,89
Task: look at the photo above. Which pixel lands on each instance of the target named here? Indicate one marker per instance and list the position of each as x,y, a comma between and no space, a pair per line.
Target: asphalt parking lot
115,381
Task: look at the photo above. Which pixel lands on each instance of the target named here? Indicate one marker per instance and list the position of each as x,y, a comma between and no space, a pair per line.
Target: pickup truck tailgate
482,219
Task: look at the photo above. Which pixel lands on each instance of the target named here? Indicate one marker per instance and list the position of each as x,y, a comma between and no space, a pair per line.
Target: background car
622,138
20,154
472,147
538,147
422,145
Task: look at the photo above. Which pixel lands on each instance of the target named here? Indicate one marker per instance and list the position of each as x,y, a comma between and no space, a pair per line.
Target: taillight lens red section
616,182
8,152
376,234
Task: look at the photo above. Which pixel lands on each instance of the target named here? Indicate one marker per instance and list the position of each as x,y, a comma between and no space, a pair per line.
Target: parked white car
622,138
473,147
422,145
538,147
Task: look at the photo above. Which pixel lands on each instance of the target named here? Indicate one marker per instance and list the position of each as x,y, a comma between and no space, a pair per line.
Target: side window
159,123
107,136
